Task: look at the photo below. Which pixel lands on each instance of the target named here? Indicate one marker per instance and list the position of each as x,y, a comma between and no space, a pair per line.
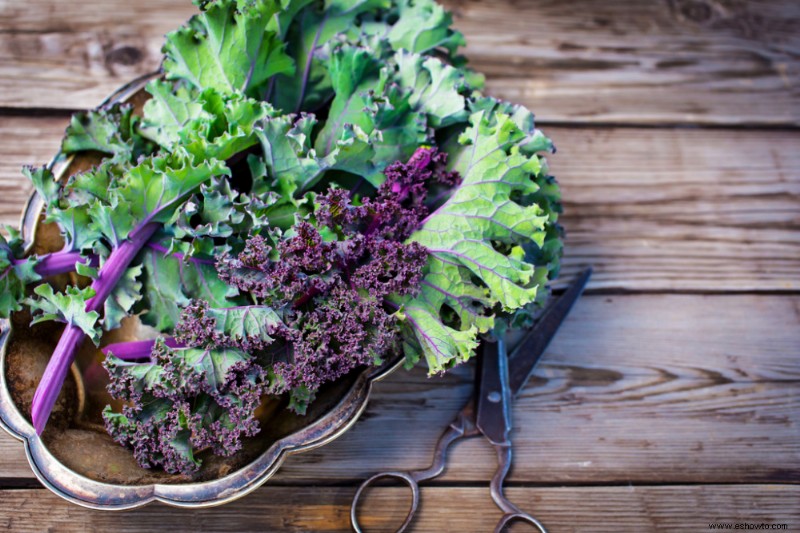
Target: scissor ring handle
406,478
520,517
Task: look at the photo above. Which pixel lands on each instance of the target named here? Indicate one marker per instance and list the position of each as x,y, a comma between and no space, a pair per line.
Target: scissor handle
511,513
461,427
518,517
406,477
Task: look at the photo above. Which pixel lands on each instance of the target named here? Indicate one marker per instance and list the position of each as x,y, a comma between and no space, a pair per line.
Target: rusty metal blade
494,401
528,352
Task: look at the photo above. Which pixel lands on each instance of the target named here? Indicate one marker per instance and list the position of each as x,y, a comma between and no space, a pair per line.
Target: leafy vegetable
14,273
313,187
228,47
68,308
112,131
185,400
476,240
148,192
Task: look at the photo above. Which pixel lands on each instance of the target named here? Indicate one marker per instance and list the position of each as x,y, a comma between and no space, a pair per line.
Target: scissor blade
494,401
528,352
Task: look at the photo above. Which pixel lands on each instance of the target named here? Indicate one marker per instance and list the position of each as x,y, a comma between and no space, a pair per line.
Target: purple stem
119,260
54,376
62,262
136,350
109,275
57,263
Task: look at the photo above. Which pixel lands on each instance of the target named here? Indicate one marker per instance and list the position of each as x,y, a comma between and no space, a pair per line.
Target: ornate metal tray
77,460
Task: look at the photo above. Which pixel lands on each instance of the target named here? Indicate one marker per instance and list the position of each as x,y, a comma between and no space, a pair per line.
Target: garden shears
498,379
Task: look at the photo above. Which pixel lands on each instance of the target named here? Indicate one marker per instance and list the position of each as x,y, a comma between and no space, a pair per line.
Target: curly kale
331,293
320,309
311,188
184,401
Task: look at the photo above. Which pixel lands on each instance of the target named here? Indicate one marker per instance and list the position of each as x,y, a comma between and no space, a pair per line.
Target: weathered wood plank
683,209
24,141
322,510
693,61
652,209
696,61
644,389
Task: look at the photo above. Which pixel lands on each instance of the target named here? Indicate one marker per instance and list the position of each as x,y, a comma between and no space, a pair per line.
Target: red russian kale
319,310
272,215
331,293
186,400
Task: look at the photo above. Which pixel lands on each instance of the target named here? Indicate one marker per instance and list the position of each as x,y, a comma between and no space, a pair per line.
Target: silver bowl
78,461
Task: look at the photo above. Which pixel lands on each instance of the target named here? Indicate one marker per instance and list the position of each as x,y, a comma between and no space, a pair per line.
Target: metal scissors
499,378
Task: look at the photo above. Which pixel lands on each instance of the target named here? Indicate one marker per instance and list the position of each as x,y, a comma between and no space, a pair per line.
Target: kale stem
135,350
54,375
62,263
117,263
109,275
55,263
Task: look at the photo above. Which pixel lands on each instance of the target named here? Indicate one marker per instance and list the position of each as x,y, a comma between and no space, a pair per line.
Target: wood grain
630,384
468,509
24,141
652,209
651,411
667,61
677,209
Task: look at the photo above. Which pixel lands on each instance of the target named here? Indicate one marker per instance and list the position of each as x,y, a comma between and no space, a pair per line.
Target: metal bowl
78,461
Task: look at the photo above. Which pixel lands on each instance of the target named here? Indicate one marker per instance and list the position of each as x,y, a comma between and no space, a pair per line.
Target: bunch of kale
312,187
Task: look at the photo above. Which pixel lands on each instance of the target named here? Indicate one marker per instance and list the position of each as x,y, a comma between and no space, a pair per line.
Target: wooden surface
662,61
322,510
670,399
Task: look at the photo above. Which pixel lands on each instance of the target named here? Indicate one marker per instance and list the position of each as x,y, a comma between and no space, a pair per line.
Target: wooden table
670,399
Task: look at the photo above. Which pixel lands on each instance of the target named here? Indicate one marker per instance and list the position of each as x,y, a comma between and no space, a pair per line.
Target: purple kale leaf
329,279
186,400
320,305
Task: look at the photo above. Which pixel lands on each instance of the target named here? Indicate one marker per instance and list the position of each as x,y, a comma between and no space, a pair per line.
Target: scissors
499,378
